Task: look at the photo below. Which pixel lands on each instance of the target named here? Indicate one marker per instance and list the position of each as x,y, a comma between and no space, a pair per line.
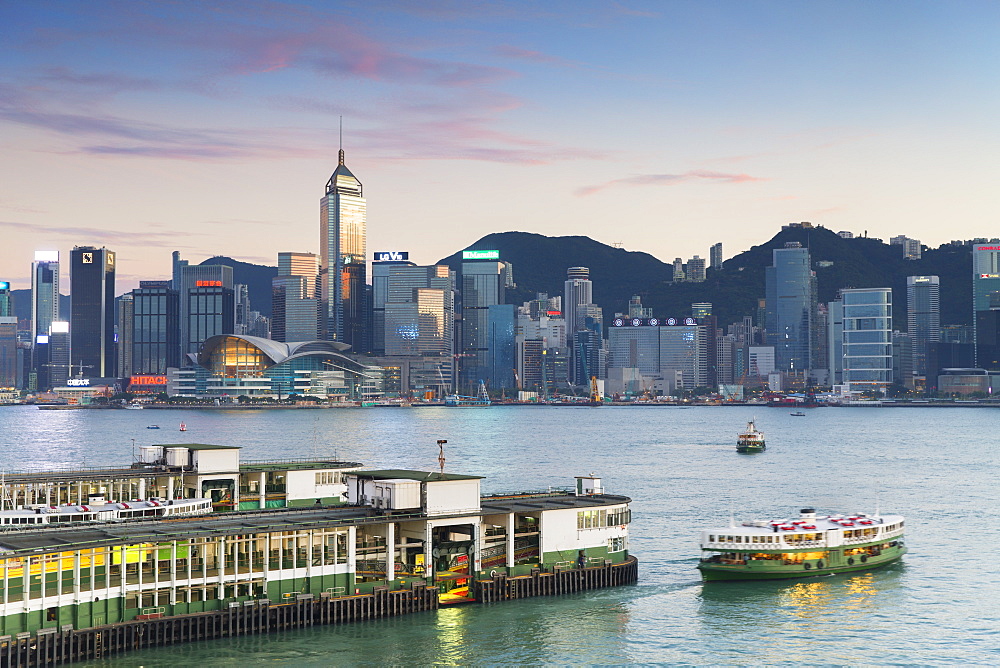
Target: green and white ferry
804,547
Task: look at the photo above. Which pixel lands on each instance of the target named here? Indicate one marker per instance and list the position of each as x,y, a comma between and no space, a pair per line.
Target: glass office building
484,284
923,317
155,328
92,319
867,338
211,311
790,305
343,276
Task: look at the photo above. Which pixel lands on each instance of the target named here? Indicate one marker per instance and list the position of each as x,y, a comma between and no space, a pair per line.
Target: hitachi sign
392,256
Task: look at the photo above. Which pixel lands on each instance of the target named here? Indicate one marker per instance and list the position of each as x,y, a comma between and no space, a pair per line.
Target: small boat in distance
153,426
797,414
134,407
750,439
808,546
183,427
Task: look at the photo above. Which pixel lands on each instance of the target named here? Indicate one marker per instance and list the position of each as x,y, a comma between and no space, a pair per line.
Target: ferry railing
336,463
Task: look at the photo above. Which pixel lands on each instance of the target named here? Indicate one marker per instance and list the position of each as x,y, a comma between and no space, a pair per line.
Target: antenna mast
441,458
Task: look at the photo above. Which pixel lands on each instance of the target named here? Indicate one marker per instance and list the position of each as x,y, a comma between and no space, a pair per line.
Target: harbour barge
804,547
403,541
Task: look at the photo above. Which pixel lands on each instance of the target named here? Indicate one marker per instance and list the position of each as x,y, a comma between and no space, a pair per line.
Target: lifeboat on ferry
787,528
83,509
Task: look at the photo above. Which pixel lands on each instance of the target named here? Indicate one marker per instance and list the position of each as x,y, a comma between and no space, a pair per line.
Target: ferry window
327,477
616,544
711,539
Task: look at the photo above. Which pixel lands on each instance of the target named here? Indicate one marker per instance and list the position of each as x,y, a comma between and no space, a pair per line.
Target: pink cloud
508,51
670,179
165,239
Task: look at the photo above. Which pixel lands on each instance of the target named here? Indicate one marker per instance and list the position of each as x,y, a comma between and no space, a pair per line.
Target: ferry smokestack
808,513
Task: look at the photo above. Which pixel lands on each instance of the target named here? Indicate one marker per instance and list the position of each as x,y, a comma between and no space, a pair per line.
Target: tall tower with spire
343,273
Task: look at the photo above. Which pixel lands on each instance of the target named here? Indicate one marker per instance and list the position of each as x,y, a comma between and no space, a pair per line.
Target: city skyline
225,119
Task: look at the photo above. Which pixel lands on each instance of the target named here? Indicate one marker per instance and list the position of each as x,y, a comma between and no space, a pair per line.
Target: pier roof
422,476
27,541
529,502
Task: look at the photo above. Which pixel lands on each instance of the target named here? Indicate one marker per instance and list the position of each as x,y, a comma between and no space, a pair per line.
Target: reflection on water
787,620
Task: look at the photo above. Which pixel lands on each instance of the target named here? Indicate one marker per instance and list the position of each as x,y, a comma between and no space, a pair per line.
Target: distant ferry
97,509
807,546
750,439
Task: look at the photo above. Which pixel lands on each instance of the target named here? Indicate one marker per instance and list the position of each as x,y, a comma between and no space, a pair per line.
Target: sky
212,127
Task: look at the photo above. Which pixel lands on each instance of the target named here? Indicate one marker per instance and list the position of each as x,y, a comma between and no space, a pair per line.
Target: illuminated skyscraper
343,275
92,320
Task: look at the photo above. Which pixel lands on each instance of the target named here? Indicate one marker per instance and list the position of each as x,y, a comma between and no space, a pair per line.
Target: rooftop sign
4,285
481,255
653,322
391,256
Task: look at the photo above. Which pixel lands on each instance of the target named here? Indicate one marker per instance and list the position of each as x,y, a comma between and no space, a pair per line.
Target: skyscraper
8,349
44,296
382,265
295,304
577,291
155,328
790,304
715,256
208,305
343,276
123,334
6,305
867,338
484,284
419,311
923,317
986,303
92,319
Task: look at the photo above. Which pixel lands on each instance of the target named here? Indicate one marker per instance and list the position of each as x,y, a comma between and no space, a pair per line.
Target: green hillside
540,265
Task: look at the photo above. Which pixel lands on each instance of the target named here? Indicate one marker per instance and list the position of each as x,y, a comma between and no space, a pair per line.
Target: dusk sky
212,127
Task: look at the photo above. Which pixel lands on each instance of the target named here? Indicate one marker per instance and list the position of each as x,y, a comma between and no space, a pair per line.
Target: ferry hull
765,571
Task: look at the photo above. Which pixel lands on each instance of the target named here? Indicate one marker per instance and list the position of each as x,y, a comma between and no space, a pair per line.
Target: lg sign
392,256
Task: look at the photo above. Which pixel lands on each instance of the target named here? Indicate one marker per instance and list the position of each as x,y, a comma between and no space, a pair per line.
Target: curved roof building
235,364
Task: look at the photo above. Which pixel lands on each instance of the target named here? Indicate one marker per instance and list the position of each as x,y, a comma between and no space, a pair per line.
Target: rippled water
938,467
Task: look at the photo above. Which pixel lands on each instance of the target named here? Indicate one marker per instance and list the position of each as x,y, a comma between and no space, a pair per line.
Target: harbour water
938,467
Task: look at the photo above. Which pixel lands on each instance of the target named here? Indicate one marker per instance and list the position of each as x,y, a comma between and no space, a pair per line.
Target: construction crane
81,366
595,392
